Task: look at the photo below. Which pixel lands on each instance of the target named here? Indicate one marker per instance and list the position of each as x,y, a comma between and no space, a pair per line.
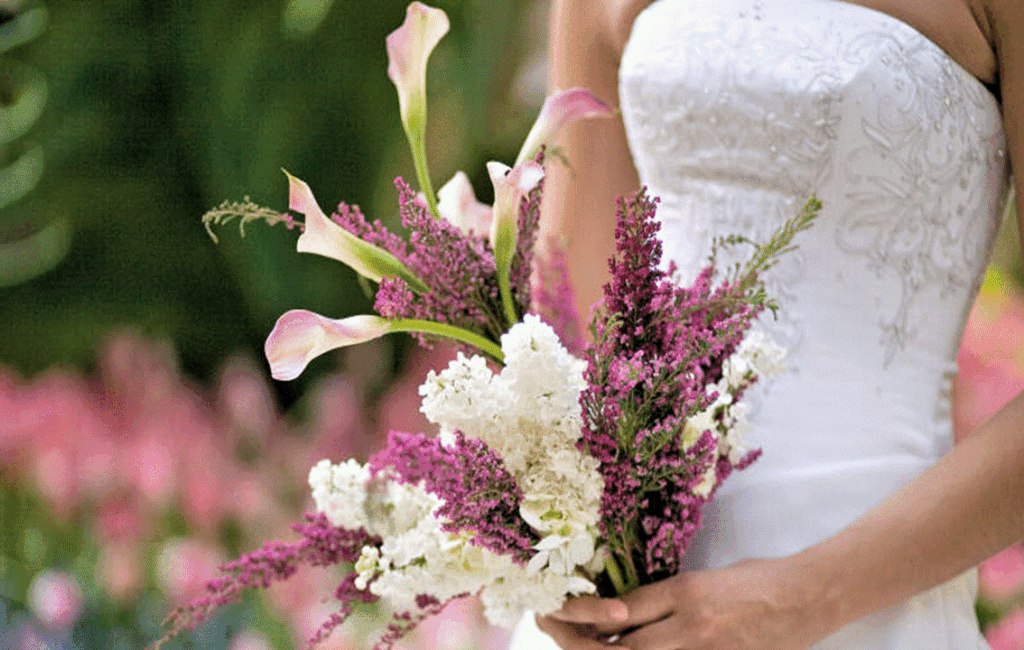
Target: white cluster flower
737,427
757,353
339,492
458,396
506,600
529,414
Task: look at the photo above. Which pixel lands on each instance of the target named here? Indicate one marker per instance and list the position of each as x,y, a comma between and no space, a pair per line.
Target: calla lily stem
615,574
416,133
488,347
505,287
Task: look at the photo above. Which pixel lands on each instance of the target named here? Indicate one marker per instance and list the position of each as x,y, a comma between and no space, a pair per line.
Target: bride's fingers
592,610
663,635
643,605
569,636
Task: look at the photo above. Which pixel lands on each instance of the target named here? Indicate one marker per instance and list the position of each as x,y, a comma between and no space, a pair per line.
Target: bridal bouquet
557,471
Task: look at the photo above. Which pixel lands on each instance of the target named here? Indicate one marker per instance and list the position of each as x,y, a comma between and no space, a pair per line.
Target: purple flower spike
480,494
321,545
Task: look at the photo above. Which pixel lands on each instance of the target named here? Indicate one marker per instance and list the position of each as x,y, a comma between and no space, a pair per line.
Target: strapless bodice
736,112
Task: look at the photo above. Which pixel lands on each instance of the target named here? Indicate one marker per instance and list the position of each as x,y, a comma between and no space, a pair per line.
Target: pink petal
300,336
458,205
409,47
560,109
1001,577
1007,633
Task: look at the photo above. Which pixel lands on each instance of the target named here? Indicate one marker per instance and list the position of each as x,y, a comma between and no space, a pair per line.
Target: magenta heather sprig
322,544
659,350
480,494
457,267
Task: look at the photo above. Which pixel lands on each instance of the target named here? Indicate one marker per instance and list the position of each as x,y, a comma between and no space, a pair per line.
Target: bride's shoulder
603,23
618,20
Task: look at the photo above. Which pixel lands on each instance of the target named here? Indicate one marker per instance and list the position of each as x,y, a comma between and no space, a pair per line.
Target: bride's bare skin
960,511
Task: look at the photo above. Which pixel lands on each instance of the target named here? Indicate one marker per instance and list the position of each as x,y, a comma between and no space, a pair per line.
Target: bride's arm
579,199
965,508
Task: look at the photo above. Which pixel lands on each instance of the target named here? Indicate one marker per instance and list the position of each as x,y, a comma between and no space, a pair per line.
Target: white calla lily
510,185
299,336
409,48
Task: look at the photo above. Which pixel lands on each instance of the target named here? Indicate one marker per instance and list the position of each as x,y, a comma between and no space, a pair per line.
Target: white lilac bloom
339,492
737,427
757,353
696,425
460,396
506,600
529,414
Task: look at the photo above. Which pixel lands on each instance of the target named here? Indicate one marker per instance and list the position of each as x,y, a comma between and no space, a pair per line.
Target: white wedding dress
736,112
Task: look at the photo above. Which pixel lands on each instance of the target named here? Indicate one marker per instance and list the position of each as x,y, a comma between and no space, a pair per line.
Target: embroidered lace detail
915,190
737,150
739,113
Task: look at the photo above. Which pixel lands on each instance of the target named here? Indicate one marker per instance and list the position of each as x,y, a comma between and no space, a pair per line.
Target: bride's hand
753,605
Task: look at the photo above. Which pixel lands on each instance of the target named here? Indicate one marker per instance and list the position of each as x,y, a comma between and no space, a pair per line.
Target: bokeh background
141,440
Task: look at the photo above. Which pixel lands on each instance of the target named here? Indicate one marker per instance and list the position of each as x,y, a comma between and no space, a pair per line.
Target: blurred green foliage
158,110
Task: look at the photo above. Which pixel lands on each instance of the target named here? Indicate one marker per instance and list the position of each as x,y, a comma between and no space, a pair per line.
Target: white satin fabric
736,112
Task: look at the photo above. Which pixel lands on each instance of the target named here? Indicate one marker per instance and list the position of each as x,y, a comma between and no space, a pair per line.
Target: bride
859,526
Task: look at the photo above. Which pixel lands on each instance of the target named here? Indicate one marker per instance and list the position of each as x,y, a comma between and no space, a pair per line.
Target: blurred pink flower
55,480
400,405
991,357
1001,577
55,598
250,640
307,622
1008,633
184,565
153,467
245,398
117,520
455,628
119,572
27,637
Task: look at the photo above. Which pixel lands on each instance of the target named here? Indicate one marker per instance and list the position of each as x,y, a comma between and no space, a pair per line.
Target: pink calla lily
560,109
409,47
324,237
458,205
299,336
510,185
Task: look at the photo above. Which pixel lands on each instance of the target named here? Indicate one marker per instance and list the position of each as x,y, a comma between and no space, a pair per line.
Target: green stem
505,287
418,145
632,579
614,574
488,347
